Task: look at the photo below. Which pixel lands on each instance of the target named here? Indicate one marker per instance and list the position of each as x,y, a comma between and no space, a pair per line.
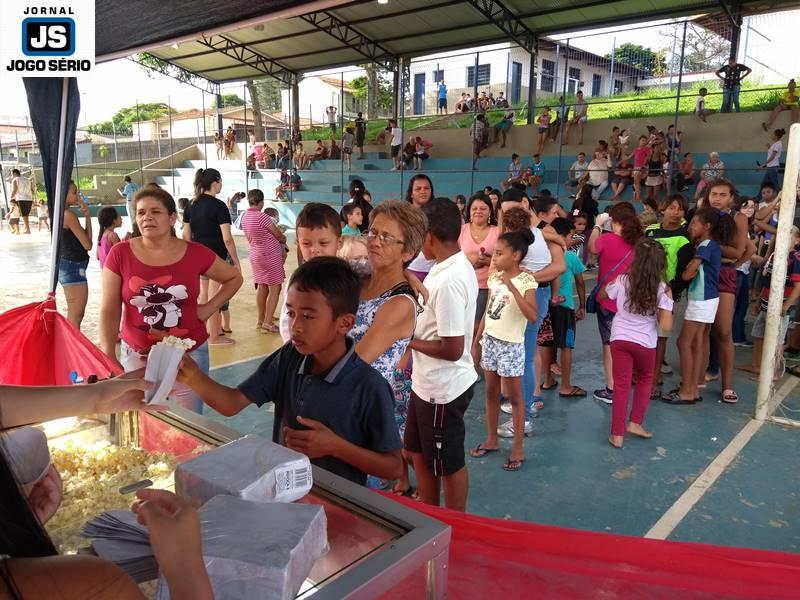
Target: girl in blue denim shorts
511,306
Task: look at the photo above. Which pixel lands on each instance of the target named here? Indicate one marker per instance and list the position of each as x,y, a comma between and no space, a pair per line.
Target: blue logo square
48,36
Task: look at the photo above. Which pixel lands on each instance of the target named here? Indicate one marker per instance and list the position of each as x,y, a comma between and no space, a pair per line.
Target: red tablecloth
497,559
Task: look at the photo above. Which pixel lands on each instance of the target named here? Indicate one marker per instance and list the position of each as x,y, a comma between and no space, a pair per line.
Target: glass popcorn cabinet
378,547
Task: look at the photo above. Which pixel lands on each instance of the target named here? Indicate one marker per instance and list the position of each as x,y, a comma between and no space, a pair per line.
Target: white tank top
538,256
24,192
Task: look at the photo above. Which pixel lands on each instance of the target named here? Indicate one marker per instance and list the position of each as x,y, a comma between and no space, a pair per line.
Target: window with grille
548,76
484,75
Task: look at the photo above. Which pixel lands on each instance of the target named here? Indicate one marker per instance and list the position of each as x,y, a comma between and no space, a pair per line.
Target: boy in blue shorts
329,404
563,317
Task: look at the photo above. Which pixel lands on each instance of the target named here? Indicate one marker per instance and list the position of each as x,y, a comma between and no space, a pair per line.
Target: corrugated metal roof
297,37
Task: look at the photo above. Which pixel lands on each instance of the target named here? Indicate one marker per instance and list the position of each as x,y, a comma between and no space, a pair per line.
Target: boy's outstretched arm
223,399
318,441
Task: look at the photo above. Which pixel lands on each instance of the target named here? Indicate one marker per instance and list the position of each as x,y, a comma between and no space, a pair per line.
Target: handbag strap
614,268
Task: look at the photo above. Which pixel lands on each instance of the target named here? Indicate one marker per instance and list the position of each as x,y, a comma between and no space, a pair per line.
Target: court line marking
683,505
236,362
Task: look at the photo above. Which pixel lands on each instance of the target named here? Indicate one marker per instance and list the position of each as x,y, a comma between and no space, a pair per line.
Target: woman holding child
388,308
155,278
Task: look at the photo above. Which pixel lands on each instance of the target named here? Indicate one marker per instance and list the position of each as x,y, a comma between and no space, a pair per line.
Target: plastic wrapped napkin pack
251,550
251,468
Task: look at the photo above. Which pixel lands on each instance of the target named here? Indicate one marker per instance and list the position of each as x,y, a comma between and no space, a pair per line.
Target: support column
532,82
736,29
295,95
219,111
396,101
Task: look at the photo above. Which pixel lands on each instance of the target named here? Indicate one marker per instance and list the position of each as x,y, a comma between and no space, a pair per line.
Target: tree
255,102
124,118
268,91
704,50
645,59
381,99
231,99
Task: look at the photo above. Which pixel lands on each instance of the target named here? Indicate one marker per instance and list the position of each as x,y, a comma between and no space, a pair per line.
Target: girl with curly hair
644,300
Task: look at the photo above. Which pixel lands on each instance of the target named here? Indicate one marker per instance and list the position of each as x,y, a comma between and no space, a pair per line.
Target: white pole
60,199
778,280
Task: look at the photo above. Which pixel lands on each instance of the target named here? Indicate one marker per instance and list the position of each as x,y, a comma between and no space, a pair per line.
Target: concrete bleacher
326,182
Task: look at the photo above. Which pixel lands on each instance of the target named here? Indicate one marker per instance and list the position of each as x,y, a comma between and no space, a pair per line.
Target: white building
316,94
506,68
193,124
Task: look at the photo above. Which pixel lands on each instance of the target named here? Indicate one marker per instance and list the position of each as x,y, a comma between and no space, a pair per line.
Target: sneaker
506,407
506,430
666,368
604,395
744,344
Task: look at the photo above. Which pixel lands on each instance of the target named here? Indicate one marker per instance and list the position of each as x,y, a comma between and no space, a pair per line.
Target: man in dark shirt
361,133
329,404
731,76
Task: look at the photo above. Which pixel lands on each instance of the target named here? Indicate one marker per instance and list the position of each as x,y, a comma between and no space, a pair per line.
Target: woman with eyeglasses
388,309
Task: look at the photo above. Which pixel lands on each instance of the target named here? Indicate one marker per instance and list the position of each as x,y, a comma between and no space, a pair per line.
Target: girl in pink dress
109,220
266,258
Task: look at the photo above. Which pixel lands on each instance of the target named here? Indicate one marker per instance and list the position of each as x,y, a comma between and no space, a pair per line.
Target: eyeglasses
383,238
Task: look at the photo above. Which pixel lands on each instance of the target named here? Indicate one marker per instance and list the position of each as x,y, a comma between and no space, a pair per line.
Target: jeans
729,97
181,394
635,364
740,309
771,176
531,333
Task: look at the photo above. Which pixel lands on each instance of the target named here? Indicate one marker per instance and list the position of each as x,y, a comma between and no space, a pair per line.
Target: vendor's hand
580,314
174,531
188,371
314,442
46,495
119,394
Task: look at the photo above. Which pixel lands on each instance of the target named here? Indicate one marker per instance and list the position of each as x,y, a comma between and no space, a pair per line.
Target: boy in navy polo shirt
329,404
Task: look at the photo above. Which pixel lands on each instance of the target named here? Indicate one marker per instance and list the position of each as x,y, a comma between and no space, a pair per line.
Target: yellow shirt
789,99
504,320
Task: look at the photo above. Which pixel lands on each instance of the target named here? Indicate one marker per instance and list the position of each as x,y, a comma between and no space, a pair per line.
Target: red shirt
640,156
611,249
162,298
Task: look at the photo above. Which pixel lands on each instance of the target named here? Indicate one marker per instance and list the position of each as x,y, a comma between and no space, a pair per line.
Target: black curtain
44,104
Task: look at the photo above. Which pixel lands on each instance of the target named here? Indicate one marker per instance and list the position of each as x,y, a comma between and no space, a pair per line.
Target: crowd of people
433,294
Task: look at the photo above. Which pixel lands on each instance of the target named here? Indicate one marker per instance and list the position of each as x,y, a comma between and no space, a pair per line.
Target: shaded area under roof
240,39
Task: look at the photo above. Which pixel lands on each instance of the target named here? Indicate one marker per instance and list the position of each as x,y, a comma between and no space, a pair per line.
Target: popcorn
92,476
162,366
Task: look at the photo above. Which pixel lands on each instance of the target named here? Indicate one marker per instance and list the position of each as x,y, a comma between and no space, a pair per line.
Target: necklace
482,233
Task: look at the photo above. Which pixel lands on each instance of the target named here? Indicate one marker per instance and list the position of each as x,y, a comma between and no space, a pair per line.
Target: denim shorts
71,272
760,325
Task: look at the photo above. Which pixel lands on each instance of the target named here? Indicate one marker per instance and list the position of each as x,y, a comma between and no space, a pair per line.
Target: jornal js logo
48,36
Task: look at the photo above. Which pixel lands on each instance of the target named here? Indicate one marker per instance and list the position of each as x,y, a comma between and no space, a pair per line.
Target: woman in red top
614,251
156,278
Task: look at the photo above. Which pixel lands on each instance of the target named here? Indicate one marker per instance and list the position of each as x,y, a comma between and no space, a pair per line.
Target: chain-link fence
660,72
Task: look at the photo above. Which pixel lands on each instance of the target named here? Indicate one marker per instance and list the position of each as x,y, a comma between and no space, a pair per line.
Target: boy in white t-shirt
700,106
444,374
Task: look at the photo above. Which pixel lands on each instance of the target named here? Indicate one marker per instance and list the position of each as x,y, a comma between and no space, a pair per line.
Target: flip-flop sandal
513,465
538,402
730,397
479,451
227,331
575,392
555,370
408,492
655,394
674,398
549,387
222,342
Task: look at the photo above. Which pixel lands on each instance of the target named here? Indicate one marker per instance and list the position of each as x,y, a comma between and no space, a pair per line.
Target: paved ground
572,477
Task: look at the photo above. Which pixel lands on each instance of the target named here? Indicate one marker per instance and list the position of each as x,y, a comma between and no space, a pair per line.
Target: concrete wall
735,132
